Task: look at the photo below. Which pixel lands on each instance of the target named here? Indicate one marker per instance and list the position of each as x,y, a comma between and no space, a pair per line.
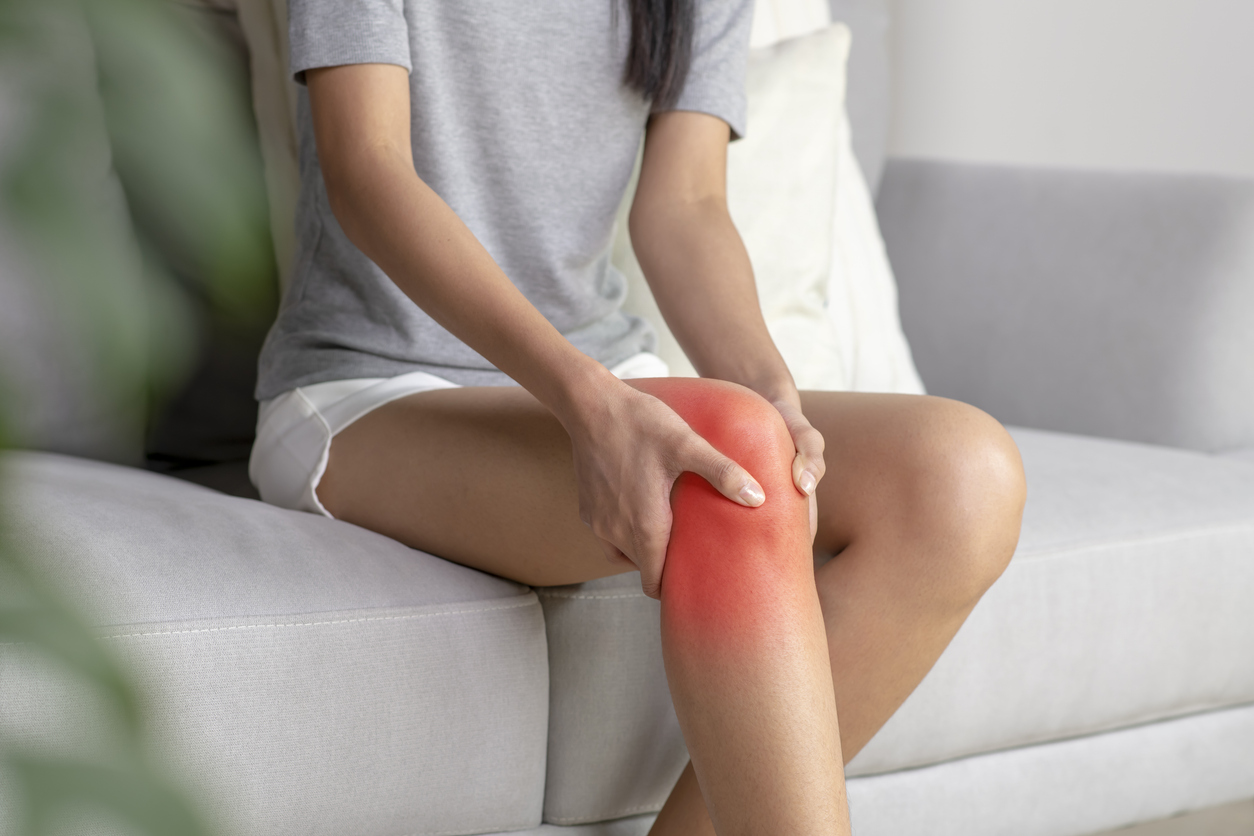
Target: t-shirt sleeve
720,52
327,33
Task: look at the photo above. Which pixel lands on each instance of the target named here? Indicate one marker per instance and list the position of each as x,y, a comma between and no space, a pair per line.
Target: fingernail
808,482
752,495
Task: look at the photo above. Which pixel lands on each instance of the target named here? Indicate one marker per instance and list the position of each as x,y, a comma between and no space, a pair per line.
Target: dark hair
661,48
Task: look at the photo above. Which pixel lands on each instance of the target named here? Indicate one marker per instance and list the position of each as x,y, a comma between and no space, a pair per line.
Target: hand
808,466
629,448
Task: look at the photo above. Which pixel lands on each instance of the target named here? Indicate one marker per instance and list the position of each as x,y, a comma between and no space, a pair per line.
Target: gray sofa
305,676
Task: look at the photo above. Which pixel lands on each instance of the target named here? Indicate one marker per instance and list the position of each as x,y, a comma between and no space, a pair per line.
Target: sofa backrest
1100,303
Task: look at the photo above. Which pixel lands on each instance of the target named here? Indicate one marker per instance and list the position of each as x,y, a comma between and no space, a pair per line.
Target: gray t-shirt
521,124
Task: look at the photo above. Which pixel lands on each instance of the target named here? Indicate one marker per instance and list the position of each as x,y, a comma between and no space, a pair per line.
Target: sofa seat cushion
1128,601
615,748
306,676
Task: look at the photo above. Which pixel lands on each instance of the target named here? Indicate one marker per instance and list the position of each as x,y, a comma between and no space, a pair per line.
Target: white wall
1162,85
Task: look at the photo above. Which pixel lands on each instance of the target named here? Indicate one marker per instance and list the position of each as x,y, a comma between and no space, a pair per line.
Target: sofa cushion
1245,454
1078,785
304,675
614,743
1113,304
1127,601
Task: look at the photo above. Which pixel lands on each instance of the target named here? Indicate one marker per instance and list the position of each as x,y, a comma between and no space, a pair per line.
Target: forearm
699,271
389,213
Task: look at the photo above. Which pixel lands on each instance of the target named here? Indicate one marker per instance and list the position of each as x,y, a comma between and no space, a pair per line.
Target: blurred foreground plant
124,157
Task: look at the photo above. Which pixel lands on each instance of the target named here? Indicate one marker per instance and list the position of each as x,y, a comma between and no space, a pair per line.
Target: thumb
727,477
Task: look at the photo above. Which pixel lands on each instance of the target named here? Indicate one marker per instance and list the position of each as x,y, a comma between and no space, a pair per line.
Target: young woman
451,368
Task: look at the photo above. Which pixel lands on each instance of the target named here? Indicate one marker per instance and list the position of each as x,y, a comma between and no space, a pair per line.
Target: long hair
661,48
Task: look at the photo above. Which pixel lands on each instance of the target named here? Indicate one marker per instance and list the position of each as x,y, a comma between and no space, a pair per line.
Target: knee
727,564
737,421
966,495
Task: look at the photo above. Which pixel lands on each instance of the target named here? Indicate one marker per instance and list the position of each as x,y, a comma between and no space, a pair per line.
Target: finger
804,474
727,477
814,518
651,583
650,540
808,466
613,554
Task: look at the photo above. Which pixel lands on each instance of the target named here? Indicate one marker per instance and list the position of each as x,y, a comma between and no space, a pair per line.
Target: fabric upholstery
869,95
263,27
1245,454
629,826
304,675
1070,786
1097,303
862,309
781,20
614,742
53,398
1127,602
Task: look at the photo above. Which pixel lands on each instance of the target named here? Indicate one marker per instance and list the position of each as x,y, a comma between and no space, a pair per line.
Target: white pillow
780,20
862,292
797,196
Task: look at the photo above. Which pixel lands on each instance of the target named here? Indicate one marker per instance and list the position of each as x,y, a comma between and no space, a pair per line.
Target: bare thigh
483,476
904,468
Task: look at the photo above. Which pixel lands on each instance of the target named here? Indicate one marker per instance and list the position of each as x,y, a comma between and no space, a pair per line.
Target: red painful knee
731,568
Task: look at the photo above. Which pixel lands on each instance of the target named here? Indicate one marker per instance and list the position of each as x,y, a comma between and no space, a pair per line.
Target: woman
461,166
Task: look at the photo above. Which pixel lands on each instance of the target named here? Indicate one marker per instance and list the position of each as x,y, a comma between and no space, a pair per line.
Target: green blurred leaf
131,792
183,133
129,159
32,614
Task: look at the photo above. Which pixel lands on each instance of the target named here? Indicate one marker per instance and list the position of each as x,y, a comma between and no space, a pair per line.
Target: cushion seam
571,820
492,828
587,596
1194,711
327,622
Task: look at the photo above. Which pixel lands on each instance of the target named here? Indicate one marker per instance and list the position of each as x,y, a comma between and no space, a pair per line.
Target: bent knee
720,551
967,495
737,421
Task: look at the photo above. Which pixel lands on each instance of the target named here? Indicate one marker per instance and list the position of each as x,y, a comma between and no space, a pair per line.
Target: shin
742,630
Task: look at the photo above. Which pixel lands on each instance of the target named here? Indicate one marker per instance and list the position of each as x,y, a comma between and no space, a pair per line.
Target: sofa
304,676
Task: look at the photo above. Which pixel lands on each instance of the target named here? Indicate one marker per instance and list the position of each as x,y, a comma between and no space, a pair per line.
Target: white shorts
294,430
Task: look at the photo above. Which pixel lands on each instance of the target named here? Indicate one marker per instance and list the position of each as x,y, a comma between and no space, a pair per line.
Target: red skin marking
734,576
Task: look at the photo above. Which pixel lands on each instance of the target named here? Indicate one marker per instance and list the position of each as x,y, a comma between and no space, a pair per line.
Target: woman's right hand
629,448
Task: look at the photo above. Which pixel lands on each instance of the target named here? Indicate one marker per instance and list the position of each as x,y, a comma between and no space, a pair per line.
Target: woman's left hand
807,466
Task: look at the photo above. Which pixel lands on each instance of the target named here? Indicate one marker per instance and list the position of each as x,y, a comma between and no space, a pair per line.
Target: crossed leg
921,505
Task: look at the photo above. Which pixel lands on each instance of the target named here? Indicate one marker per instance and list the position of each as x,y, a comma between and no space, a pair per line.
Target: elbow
356,180
337,184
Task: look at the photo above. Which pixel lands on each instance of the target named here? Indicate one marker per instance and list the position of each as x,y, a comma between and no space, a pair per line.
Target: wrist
582,393
774,387
758,367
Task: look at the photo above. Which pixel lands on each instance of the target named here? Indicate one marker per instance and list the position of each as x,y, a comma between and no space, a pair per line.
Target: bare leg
921,505
918,540
742,629
484,477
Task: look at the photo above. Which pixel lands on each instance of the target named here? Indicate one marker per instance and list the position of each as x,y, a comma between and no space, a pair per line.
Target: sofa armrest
1108,304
